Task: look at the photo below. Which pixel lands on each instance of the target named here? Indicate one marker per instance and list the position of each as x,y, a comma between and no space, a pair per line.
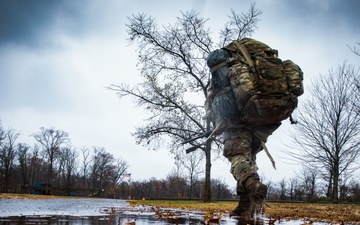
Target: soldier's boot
243,209
257,192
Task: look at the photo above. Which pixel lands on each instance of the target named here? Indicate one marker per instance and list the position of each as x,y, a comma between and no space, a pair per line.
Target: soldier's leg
237,148
252,184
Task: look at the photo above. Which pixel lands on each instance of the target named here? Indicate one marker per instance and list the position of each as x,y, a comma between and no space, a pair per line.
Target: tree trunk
50,170
312,191
191,188
335,193
330,186
207,194
6,180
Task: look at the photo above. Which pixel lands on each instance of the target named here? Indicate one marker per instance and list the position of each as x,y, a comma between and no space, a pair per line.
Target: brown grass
27,196
330,213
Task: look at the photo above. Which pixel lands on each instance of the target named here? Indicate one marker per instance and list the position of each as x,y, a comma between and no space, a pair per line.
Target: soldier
251,92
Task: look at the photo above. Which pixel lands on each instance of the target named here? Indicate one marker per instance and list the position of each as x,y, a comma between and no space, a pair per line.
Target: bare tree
23,151
271,189
85,164
51,140
344,186
177,185
7,157
119,170
176,78
101,167
293,183
327,136
308,176
176,179
220,189
282,188
192,165
36,165
240,25
354,187
68,158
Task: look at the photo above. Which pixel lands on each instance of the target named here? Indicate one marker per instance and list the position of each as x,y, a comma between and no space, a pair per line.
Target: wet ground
80,211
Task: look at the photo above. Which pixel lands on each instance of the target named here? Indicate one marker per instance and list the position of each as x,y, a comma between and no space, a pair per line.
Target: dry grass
330,213
27,196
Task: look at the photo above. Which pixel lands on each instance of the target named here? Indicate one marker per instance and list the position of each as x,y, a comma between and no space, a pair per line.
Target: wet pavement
81,211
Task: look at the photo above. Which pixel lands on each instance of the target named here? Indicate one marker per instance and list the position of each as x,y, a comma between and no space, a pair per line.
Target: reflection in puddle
117,219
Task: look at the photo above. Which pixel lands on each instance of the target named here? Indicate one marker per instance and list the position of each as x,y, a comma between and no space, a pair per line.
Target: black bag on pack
224,103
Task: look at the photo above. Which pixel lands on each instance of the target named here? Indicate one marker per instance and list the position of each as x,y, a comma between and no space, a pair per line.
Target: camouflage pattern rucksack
252,84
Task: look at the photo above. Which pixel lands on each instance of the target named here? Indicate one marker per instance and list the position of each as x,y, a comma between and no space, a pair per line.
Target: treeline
305,187
173,187
310,185
54,163
52,166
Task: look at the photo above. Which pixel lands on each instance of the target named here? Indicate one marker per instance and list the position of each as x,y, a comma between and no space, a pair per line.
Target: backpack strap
245,53
241,46
218,66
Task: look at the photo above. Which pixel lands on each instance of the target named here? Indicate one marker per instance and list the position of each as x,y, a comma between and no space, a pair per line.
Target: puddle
78,211
119,219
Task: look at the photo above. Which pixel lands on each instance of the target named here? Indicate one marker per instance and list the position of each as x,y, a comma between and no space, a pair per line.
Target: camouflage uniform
241,144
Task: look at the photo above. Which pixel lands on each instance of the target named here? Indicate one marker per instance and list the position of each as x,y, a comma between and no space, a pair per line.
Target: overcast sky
57,57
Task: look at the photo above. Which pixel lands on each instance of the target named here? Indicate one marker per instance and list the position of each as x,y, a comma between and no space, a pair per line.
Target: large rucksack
252,84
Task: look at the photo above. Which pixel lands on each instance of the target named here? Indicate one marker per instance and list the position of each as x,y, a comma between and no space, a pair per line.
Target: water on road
82,211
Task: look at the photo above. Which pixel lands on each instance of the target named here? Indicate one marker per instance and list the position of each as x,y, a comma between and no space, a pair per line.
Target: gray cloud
38,88
22,21
30,23
331,12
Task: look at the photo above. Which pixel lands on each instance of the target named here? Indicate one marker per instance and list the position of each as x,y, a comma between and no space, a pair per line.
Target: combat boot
243,209
257,190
